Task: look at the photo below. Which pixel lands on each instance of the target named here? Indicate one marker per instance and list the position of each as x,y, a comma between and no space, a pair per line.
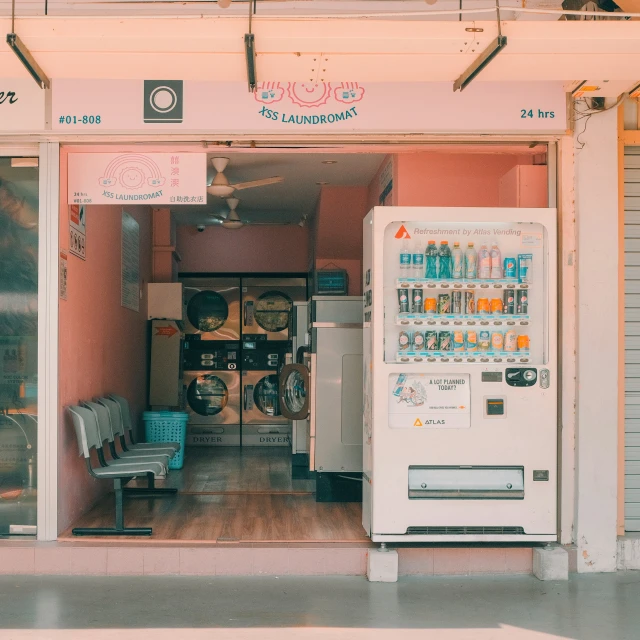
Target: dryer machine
262,421
212,308
212,392
267,305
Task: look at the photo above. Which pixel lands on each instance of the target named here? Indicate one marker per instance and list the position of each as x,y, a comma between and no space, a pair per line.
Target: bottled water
444,261
484,263
457,261
471,262
405,258
417,261
496,262
431,256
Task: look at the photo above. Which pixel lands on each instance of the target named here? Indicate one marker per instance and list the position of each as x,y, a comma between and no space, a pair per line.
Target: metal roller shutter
632,338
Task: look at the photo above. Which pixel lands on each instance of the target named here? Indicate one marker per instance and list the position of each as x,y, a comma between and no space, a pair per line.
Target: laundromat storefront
106,164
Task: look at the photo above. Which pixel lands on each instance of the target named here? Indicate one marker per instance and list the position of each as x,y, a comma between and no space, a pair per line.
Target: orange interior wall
452,179
257,249
102,345
338,231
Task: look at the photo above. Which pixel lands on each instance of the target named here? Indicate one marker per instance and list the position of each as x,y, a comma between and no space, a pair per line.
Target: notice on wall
385,183
429,401
137,178
63,274
130,296
77,231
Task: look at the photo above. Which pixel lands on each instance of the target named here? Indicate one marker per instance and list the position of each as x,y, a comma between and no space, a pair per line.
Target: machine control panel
203,355
521,377
264,355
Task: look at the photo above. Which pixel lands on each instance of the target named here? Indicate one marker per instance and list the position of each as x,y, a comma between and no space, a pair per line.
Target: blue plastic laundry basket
167,426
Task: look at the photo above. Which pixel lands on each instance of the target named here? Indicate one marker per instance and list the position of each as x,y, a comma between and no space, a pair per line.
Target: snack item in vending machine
484,341
510,340
525,263
418,341
457,262
404,341
444,303
458,340
522,302
444,261
430,305
417,301
482,305
510,269
496,305
468,303
497,341
484,263
496,262
523,342
456,302
403,300
444,341
431,338
472,341
509,302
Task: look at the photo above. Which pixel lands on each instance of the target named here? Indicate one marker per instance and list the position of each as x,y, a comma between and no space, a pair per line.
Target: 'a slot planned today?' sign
137,178
429,401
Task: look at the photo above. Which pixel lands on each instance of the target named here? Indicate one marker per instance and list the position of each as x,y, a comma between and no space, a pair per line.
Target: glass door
294,392
18,344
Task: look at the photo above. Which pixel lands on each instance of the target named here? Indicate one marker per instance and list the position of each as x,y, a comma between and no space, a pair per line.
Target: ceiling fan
233,220
224,189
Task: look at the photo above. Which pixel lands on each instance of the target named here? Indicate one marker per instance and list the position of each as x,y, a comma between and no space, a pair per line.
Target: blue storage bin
167,426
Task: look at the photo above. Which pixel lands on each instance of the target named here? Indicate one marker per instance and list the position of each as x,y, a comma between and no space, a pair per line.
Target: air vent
466,531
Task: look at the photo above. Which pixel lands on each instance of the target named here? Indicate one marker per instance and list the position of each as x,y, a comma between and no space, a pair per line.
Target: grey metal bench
119,471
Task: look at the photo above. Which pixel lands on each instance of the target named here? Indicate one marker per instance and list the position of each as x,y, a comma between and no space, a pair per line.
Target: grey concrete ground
602,607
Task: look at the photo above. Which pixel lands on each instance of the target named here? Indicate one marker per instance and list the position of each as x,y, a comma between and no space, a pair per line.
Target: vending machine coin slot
521,377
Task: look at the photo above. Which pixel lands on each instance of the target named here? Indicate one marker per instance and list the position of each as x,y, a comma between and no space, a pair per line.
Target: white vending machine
460,375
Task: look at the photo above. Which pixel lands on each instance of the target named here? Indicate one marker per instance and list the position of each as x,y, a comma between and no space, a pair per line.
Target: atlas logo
403,234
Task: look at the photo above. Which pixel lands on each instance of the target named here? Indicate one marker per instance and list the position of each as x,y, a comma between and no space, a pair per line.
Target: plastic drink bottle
431,255
444,262
484,263
405,258
496,262
457,262
471,262
417,261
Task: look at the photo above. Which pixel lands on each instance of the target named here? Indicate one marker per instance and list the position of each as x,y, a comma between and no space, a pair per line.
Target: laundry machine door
262,421
294,392
212,308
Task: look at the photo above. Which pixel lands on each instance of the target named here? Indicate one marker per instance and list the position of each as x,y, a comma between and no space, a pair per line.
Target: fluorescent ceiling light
24,55
496,46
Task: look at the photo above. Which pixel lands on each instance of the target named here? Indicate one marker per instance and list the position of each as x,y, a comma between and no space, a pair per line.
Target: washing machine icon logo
163,101
132,171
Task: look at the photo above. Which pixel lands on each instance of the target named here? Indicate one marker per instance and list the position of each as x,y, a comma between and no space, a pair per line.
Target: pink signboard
137,178
309,107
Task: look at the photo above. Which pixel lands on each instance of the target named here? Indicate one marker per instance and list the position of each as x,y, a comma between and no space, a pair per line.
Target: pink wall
103,346
375,186
338,231
452,179
249,249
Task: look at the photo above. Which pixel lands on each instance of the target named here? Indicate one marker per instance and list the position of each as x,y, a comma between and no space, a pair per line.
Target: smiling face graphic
132,177
309,94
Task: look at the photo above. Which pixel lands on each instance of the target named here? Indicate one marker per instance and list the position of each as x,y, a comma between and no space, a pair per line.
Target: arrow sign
167,331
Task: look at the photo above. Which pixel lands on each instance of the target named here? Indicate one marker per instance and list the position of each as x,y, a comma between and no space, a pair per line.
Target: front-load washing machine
267,305
211,308
263,424
212,393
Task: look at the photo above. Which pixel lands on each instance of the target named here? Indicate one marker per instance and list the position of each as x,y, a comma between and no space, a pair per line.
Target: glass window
18,346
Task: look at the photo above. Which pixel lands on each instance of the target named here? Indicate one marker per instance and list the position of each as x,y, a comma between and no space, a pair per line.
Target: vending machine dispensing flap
294,392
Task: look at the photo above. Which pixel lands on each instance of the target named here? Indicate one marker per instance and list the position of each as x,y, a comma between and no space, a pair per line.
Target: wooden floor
232,495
